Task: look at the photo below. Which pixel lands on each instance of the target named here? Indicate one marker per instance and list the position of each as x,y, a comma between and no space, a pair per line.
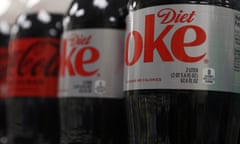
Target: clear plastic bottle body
182,116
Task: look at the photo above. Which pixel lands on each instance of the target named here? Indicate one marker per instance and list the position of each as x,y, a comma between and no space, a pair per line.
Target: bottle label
33,67
92,63
189,47
3,71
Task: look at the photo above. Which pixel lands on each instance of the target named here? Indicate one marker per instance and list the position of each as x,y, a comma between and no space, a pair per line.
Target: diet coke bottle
91,71
182,71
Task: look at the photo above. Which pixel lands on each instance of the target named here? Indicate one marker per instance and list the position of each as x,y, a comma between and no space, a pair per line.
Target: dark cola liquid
2,120
35,119
183,116
4,36
93,120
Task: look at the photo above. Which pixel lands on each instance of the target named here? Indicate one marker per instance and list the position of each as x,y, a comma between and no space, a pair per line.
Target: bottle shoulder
92,14
140,4
41,24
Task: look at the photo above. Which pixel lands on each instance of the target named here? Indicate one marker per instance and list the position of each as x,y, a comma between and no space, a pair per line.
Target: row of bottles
93,72
89,112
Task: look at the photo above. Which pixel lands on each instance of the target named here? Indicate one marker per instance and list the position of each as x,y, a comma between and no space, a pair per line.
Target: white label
189,47
92,63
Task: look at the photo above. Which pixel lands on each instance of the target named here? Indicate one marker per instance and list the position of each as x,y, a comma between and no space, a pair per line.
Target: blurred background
9,8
